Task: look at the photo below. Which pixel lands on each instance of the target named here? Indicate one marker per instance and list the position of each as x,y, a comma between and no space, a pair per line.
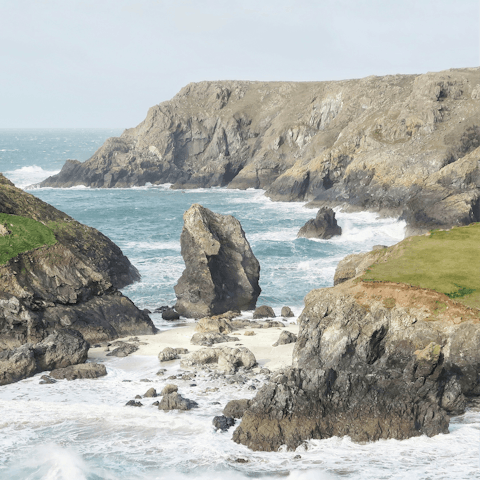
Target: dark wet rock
264,312
287,312
155,404
161,371
83,370
174,401
147,311
150,393
170,314
17,364
123,350
133,403
223,423
241,460
285,338
208,339
236,408
162,309
221,271
138,396
46,380
169,388
324,225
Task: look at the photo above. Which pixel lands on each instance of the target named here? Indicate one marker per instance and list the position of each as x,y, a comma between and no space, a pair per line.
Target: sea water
82,430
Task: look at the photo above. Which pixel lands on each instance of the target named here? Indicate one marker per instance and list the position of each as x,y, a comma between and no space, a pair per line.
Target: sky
103,63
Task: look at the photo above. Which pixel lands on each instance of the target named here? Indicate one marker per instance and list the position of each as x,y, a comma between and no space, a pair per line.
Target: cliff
56,273
401,145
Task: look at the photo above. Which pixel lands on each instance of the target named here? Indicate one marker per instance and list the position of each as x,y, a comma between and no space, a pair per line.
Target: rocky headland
401,145
57,274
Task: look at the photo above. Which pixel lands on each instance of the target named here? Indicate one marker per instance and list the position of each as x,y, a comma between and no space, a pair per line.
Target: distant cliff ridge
403,144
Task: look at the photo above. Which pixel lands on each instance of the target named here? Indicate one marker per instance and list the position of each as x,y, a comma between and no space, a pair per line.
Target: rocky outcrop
370,363
399,144
175,401
83,370
285,338
72,283
59,350
323,226
221,272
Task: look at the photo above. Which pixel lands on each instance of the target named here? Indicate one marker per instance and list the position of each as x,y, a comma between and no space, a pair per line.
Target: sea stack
221,272
324,225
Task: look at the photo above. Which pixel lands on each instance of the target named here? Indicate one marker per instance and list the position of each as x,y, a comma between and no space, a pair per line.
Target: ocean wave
25,176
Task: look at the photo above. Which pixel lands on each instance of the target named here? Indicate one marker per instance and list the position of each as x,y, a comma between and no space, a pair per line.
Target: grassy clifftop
444,261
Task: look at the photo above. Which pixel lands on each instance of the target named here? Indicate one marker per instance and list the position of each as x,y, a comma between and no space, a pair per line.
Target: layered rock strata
71,284
370,362
221,272
399,144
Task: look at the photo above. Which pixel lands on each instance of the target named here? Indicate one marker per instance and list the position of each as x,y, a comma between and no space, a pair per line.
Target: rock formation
323,226
221,272
70,282
399,144
371,361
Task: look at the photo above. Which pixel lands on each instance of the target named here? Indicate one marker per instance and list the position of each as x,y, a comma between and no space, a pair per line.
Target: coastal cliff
56,273
403,145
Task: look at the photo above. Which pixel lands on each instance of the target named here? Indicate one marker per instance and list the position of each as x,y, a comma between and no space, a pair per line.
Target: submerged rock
170,314
324,225
174,401
221,273
223,423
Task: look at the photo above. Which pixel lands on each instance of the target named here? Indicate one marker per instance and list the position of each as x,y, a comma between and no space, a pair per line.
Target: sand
260,344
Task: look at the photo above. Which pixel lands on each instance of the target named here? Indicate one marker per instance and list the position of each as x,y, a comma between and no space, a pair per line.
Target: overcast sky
103,63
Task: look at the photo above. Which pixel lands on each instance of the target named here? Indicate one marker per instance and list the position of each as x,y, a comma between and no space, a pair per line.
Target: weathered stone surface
213,325
169,353
133,403
285,338
208,339
72,284
352,266
221,273
335,143
82,370
174,401
169,388
150,393
223,423
367,370
323,226
170,314
123,350
236,408
224,358
58,350
287,312
263,312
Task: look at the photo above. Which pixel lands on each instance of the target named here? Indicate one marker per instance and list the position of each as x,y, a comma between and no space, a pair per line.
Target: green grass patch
444,261
25,235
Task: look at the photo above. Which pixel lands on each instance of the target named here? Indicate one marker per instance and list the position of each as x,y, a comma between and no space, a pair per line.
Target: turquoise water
80,430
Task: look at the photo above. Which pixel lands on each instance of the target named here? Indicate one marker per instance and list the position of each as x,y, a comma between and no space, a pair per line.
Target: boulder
285,338
169,353
58,350
133,403
83,370
324,225
263,312
169,388
213,325
208,339
236,408
170,314
226,359
223,423
287,312
150,393
123,350
221,272
174,401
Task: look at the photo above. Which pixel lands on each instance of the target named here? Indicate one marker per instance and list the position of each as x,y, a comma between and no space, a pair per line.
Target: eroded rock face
367,370
225,359
221,273
323,226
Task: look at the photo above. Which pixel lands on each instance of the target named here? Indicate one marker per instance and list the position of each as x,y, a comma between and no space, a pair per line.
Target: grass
445,261
25,235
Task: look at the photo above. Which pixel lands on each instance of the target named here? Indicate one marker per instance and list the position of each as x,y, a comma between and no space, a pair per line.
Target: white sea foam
25,176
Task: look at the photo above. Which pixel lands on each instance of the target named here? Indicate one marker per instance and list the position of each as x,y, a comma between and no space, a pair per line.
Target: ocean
81,429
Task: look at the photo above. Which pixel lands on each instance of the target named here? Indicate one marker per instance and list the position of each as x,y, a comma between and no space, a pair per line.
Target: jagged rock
83,370
287,312
169,353
208,339
174,401
223,423
58,350
370,373
123,350
71,282
170,314
221,271
353,265
285,338
324,226
213,325
169,388
133,403
226,359
264,312
236,408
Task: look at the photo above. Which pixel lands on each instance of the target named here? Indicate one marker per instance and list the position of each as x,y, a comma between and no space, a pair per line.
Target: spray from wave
26,176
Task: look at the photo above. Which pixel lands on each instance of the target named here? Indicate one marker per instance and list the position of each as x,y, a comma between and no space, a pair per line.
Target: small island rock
324,225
